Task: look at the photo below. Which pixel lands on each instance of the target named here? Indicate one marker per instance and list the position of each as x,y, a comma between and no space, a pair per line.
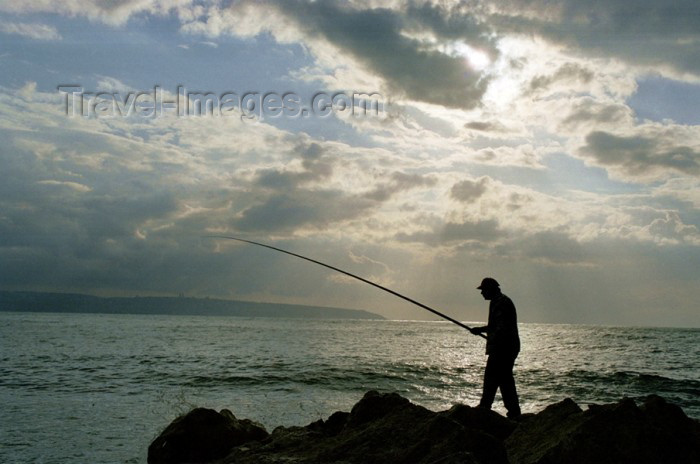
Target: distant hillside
79,303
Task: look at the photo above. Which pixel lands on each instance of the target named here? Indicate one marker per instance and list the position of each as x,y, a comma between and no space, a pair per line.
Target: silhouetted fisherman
502,347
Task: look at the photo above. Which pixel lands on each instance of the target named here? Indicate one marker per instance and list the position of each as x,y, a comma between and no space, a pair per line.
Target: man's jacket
502,329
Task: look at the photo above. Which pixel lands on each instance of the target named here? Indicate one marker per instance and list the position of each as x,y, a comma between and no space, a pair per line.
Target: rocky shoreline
387,428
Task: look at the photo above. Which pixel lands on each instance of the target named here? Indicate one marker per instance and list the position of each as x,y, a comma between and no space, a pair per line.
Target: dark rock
613,433
381,428
374,406
335,423
535,435
481,419
387,428
202,435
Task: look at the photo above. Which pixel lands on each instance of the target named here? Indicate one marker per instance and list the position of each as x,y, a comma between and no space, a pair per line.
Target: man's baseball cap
488,282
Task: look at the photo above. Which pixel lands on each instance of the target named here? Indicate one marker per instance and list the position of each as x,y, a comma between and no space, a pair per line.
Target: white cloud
113,13
27,90
671,230
32,30
522,155
685,189
111,84
73,185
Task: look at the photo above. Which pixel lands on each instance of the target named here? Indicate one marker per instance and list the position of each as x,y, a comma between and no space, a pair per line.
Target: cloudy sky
554,145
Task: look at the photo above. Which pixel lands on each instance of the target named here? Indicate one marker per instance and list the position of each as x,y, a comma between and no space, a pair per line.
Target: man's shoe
514,416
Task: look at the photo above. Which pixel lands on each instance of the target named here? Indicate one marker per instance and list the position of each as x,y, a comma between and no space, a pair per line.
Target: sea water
92,388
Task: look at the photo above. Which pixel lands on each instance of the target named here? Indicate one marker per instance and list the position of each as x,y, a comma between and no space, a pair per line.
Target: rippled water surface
90,388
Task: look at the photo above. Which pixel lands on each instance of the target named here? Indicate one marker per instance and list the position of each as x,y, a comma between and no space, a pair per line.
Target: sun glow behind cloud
477,60
506,83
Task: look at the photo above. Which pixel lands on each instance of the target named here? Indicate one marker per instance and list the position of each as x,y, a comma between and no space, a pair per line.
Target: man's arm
479,330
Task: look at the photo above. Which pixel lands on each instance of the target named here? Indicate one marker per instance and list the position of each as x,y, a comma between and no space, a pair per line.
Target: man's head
489,288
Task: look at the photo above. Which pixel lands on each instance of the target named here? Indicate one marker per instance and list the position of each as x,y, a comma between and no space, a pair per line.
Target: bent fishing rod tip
349,274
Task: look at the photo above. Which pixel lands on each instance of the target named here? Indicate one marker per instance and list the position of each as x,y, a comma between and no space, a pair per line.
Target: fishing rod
362,279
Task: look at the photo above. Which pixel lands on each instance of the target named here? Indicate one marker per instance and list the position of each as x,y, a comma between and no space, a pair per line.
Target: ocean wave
380,375
636,379
594,387
329,378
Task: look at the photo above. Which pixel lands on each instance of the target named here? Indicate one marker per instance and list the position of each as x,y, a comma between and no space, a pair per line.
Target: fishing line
362,279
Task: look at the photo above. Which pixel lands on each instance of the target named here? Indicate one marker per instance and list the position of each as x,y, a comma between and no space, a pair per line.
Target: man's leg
491,381
507,385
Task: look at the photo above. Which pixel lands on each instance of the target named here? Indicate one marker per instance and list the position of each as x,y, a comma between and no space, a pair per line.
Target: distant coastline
82,303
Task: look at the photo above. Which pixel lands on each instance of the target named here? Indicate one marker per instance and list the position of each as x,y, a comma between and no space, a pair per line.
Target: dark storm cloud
517,201
398,182
454,233
567,73
86,211
469,190
286,202
639,155
290,206
115,225
647,32
548,247
56,237
454,22
374,37
485,126
589,110
482,231
45,198
316,167
301,208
